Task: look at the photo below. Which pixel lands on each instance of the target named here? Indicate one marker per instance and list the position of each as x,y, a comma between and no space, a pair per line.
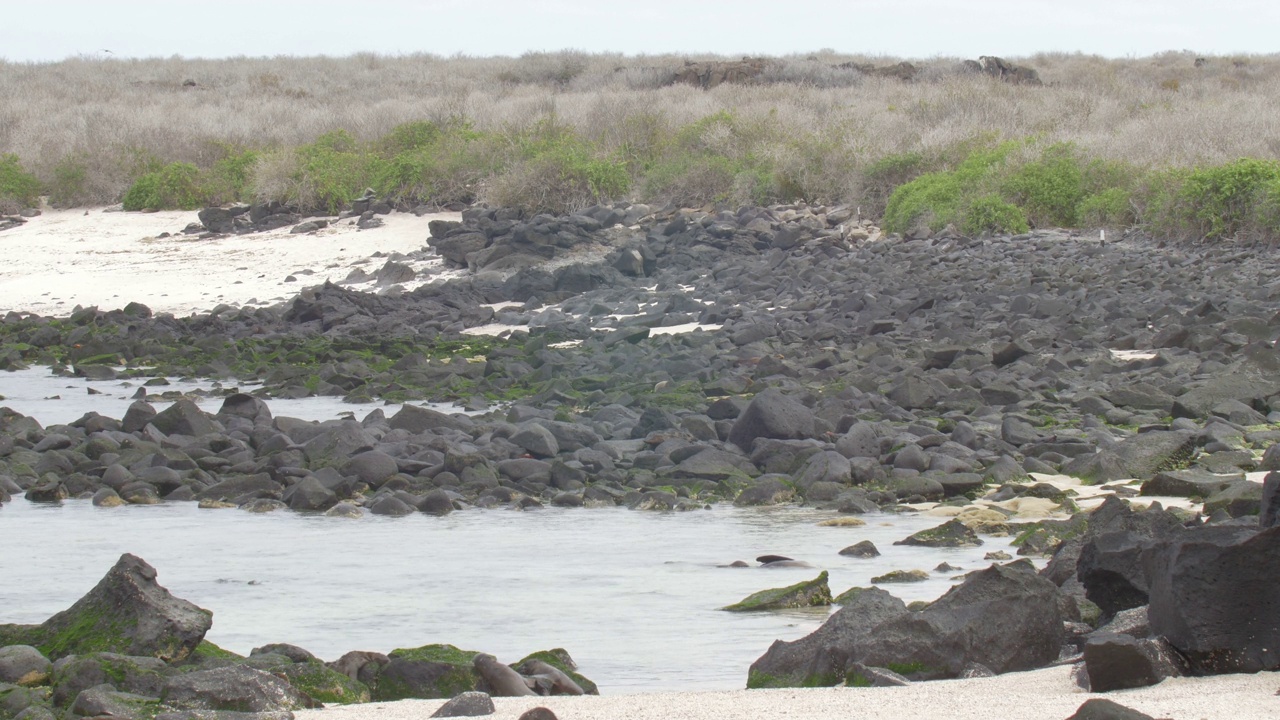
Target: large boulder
141,675
105,701
24,665
417,420
337,443
128,613
323,683
1199,401
184,418
822,657
431,671
1120,662
1215,597
1111,564
1140,456
217,220
772,415
1005,617
237,688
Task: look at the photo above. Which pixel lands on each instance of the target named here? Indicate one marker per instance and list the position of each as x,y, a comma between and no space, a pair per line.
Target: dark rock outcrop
128,613
1214,597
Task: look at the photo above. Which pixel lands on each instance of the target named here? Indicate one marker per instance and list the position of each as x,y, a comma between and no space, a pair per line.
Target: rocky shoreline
835,367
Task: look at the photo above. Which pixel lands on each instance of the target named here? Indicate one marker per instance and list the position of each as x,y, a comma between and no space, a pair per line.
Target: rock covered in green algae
127,613
952,533
811,593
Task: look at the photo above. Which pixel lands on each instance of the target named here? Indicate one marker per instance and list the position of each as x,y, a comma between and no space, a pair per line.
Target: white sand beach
64,258
1038,695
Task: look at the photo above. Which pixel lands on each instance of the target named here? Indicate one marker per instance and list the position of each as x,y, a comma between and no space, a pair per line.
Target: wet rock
952,533
863,549
767,490
392,506
310,495
811,593
900,576
234,687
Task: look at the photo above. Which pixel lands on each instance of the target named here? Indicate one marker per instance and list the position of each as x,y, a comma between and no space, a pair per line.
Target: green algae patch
811,593
952,533
209,651
849,595
325,684
430,671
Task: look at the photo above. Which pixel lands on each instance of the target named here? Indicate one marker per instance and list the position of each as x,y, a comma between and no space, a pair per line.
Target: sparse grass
1145,136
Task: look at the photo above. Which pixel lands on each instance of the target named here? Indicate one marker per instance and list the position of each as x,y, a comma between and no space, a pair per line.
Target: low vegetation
1183,148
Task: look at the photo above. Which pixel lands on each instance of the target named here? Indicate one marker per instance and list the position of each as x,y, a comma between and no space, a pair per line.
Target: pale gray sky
43,30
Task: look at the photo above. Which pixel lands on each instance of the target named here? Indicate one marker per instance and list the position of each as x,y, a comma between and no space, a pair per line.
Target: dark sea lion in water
560,683
781,561
766,559
502,680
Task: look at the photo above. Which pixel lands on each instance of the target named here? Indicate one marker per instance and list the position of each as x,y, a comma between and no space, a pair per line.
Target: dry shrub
79,125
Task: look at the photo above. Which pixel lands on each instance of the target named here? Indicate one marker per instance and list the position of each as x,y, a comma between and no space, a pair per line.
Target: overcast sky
44,30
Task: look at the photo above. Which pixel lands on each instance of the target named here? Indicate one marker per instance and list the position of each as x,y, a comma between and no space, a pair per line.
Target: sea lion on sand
502,680
561,683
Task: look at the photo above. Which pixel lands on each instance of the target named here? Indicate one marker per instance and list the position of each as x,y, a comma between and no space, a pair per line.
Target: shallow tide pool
632,595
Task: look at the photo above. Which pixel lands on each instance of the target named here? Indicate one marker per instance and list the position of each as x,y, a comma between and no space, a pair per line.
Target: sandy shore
65,258
1038,695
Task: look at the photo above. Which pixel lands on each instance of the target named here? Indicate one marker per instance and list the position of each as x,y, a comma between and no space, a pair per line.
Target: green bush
70,181
17,186
938,199
229,179
436,164
1235,199
1049,189
991,214
1112,207
1227,200
881,177
333,171
721,158
175,186
559,171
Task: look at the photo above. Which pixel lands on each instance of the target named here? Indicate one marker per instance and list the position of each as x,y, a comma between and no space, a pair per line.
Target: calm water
51,399
631,595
